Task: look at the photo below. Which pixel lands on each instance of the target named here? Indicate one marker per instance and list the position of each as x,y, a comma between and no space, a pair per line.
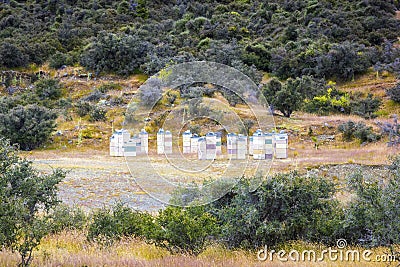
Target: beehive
202,148
211,145
113,146
117,141
129,148
281,146
186,144
144,140
258,145
160,141
168,142
218,137
241,146
251,145
269,145
232,145
138,141
194,142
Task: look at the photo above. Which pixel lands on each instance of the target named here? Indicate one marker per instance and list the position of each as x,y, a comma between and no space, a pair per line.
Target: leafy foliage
112,224
358,130
121,53
25,198
328,39
30,126
184,230
394,93
287,207
370,218
289,96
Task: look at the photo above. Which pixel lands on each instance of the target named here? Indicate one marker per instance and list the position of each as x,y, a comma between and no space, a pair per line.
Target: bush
365,107
372,218
110,52
184,230
12,56
359,130
58,60
331,102
394,93
30,126
26,197
285,207
120,221
83,108
67,218
97,114
48,89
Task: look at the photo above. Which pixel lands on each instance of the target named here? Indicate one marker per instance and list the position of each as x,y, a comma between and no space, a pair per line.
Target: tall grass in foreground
72,249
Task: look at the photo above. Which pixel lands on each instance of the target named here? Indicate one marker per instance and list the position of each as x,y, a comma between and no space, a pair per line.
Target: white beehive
194,143
250,145
202,148
211,145
129,148
241,146
117,141
281,146
160,141
168,142
258,145
186,144
269,145
231,143
144,140
113,146
218,137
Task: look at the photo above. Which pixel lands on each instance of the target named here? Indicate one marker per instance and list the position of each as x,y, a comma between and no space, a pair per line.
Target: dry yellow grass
72,249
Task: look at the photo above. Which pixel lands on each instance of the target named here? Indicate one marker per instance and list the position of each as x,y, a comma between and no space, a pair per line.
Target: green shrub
97,114
358,130
26,197
48,89
58,60
372,218
285,207
30,126
67,218
120,221
83,108
184,230
365,107
331,102
394,93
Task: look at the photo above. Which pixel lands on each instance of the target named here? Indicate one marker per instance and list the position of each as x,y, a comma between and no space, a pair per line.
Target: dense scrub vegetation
27,198
287,207
28,118
325,39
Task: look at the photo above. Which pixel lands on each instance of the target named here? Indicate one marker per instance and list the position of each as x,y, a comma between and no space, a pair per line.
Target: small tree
26,197
30,126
